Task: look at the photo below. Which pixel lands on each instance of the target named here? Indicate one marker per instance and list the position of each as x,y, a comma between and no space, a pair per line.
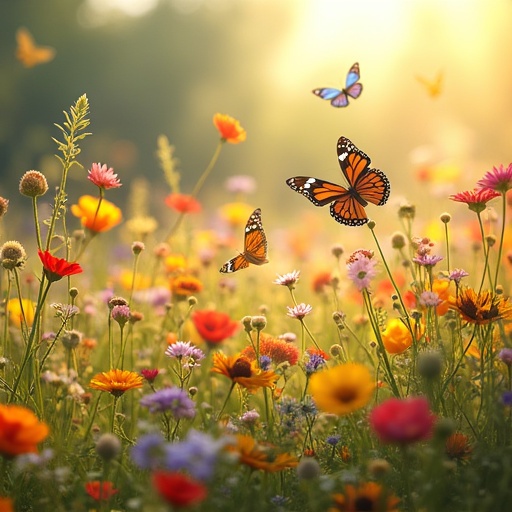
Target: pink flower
402,421
288,279
361,269
103,177
499,179
299,311
476,199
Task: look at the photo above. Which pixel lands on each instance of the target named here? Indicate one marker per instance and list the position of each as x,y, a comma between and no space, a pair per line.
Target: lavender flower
427,260
121,314
288,279
505,355
189,355
173,400
299,311
457,274
333,440
430,299
361,270
149,452
316,362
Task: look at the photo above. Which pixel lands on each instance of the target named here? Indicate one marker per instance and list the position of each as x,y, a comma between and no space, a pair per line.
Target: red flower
476,199
214,326
177,489
100,491
150,374
402,421
183,203
229,128
57,268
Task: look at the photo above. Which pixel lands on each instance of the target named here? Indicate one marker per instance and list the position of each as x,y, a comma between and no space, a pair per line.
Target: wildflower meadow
195,365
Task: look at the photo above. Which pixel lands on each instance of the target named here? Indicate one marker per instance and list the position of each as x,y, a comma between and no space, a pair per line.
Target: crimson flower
57,268
402,421
476,199
214,326
100,491
178,490
183,203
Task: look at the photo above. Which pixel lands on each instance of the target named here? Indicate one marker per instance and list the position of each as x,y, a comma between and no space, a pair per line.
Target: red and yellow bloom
229,129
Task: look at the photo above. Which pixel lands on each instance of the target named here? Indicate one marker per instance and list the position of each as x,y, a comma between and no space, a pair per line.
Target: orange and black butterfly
28,53
255,246
365,186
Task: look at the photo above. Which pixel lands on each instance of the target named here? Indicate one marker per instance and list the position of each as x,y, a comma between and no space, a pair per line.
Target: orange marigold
242,372
20,430
278,350
116,382
185,285
229,129
261,456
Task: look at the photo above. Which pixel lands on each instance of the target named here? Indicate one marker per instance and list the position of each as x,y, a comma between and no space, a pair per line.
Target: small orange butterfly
28,53
255,246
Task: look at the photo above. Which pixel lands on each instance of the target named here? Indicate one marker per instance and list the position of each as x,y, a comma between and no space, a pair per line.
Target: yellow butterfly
433,87
28,53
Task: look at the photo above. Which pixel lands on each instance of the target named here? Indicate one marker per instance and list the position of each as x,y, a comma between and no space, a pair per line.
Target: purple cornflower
174,400
149,452
288,279
188,354
457,274
430,299
316,361
427,260
499,179
505,355
299,311
361,270
250,417
333,440
265,362
121,314
506,398
197,454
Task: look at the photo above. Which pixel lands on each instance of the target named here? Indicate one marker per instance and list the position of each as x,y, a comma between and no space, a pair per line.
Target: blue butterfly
340,98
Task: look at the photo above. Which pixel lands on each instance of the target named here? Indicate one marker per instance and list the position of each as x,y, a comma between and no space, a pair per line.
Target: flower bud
430,364
33,184
308,469
108,447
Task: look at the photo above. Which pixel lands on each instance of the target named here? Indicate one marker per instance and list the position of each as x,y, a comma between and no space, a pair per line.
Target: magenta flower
361,270
499,179
103,177
457,274
427,260
476,199
299,311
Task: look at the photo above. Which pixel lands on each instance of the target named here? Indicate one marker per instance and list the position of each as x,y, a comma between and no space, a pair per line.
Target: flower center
241,368
364,504
346,395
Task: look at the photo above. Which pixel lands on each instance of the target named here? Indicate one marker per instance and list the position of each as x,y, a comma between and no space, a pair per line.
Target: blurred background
434,114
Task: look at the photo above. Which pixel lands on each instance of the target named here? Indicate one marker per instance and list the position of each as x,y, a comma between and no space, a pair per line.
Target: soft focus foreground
135,376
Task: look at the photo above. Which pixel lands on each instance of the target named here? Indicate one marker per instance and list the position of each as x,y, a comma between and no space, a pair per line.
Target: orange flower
278,350
15,314
458,446
396,337
100,491
261,456
183,203
442,288
20,430
174,262
6,504
321,281
116,382
96,219
481,308
185,285
242,372
366,496
229,129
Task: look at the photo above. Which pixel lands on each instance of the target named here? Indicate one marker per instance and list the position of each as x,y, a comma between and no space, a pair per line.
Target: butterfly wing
349,211
352,76
353,162
234,264
374,187
319,192
255,244
28,53
354,90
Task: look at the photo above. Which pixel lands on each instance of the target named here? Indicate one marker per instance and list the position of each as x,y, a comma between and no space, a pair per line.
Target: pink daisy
499,179
103,177
476,199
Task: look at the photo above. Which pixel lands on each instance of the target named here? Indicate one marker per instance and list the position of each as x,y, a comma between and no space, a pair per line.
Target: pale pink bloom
299,311
103,177
288,279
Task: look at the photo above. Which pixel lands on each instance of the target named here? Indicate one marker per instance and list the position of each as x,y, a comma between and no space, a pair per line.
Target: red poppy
214,326
100,491
57,268
177,489
403,421
183,203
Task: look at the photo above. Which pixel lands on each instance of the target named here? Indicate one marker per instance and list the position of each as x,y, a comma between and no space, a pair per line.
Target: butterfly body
28,53
348,204
339,97
255,246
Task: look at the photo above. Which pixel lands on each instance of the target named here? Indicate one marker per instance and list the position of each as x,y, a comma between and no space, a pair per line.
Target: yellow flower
261,456
342,389
185,285
98,220
481,308
229,128
236,214
20,430
15,314
396,337
116,382
175,262
142,282
242,372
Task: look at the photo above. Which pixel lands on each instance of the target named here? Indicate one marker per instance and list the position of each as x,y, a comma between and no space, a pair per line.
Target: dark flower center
364,504
346,395
241,368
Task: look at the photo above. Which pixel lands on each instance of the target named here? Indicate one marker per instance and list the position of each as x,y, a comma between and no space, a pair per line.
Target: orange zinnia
241,371
186,285
261,456
96,219
20,430
116,382
229,128
481,308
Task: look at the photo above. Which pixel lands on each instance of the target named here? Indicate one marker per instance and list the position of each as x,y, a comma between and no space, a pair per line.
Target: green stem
36,221
502,237
226,401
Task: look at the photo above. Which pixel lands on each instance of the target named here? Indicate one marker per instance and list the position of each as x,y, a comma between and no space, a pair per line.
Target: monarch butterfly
433,87
255,246
347,204
28,53
339,98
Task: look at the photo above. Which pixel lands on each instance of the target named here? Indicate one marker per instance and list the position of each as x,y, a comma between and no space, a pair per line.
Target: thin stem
502,236
36,221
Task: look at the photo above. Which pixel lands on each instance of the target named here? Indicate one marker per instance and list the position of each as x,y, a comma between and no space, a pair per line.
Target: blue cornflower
265,363
316,361
333,440
174,400
148,453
